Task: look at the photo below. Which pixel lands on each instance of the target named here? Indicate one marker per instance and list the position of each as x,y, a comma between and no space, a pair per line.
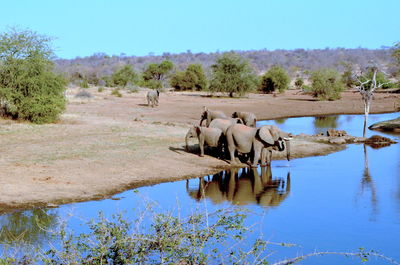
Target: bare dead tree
367,89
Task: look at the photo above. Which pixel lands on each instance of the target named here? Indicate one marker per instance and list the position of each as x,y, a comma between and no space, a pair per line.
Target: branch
363,255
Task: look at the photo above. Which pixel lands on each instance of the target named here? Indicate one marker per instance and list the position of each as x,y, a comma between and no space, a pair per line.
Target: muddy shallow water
339,202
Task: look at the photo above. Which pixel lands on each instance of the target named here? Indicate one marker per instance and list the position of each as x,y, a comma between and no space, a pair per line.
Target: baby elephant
212,137
152,98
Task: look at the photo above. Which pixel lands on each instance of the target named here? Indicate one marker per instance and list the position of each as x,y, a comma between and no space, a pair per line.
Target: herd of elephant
238,135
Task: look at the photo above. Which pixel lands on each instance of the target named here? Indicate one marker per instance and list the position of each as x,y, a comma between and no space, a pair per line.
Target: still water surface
339,202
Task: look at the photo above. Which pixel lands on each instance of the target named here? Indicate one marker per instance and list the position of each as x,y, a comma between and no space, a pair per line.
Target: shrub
275,79
123,76
115,92
191,79
299,83
380,79
326,84
84,84
232,74
155,74
27,80
100,89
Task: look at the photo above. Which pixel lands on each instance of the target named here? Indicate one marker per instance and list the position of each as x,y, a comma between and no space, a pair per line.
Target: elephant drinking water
259,142
212,137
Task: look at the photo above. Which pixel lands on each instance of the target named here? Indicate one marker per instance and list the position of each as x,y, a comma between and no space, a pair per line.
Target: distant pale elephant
248,118
152,98
258,142
212,137
209,115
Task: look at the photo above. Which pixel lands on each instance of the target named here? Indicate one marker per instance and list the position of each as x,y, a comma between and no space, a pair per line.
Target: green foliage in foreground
326,84
163,238
275,79
232,74
29,89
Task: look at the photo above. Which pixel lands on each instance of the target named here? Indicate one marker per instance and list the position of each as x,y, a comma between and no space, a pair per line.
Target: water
339,202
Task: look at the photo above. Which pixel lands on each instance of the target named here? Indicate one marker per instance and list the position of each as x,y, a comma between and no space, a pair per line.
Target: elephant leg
264,154
232,150
269,157
201,144
256,158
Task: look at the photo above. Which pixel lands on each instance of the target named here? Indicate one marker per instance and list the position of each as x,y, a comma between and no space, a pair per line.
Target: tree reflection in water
368,184
27,226
325,122
242,187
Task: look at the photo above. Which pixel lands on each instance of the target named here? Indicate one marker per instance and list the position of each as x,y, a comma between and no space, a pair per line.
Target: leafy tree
29,89
274,79
299,83
326,84
155,73
232,74
347,76
191,79
124,76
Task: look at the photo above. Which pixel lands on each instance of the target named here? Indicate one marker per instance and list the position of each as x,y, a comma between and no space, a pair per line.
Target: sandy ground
108,144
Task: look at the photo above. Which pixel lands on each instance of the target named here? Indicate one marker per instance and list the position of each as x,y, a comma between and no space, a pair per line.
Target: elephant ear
265,135
275,132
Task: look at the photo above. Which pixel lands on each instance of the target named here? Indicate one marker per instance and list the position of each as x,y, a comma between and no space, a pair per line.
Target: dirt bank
107,144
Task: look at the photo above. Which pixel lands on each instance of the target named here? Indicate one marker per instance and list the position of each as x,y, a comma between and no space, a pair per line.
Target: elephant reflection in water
242,186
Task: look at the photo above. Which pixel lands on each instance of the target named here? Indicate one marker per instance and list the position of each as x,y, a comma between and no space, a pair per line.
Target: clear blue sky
139,27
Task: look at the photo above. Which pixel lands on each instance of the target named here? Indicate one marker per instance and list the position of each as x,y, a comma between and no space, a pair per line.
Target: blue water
339,202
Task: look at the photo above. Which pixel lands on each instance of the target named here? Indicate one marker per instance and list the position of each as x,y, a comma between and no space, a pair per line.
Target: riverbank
106,144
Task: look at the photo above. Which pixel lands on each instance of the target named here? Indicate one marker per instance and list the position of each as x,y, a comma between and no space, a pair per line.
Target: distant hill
294,61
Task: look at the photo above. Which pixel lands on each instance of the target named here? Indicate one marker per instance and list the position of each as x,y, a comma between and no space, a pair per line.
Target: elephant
212,137
258,142
248,118
223,124
209,115
152,97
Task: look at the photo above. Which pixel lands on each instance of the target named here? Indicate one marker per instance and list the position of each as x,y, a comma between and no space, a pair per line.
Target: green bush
84,84
191,79
123,76
100,89
115,92
275,79
156,73
232,74
380,79
27,80
299,83
326,84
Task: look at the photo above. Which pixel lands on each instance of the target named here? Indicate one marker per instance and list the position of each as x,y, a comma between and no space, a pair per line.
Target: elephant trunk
287,143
